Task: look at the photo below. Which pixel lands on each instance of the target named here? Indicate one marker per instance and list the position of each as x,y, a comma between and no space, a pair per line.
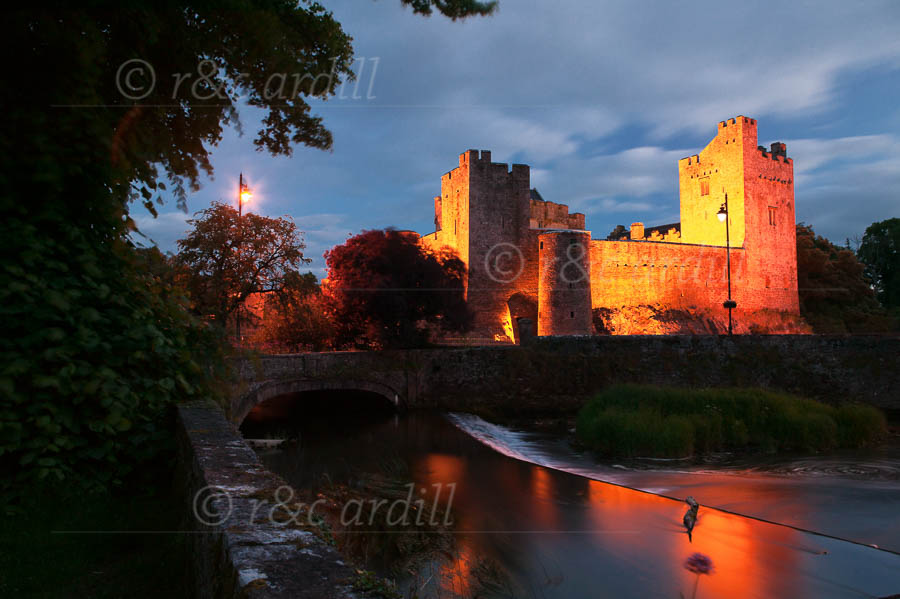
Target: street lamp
244,195
730,304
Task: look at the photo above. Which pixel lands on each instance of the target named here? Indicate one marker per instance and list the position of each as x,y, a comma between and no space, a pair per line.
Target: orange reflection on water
454,574
442,468
545,511
750,558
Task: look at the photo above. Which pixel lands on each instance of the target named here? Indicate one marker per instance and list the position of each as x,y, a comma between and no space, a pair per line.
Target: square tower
705,178
483,213
760,188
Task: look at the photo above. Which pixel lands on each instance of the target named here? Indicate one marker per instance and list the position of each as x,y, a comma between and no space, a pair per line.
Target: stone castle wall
497,224
625,273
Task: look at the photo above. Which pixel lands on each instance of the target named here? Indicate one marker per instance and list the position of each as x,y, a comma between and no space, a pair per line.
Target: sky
600,98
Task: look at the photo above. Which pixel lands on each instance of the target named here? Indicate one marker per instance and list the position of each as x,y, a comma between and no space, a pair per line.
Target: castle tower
483,213
760,189
770,227
564,284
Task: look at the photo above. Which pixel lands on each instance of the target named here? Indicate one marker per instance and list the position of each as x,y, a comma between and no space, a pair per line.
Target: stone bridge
554,375
384,373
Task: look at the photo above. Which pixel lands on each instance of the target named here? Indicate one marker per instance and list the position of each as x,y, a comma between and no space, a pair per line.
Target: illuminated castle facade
533,267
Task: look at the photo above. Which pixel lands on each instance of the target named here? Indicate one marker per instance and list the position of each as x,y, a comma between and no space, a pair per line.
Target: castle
534,268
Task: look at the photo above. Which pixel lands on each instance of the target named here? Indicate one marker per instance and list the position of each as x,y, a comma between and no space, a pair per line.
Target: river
532,517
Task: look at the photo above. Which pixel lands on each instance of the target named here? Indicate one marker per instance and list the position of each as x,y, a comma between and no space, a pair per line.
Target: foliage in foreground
95,352
648,421
40,564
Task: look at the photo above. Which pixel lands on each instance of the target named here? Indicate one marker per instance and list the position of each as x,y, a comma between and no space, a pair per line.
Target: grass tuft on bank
650,421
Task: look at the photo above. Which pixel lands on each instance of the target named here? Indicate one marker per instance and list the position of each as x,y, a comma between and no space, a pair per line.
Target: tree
129,91
227,258
880,252
385,290
834,295
95,347
455,9
295,319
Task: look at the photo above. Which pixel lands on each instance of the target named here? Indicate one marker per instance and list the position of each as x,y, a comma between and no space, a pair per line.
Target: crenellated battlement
473,157
482,158
514,243
738,120
777,153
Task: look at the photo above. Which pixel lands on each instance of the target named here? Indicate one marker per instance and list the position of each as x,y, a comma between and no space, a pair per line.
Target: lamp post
244,195
730,304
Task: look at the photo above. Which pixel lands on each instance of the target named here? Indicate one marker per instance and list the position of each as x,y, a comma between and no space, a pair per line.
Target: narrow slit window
772,211
571,315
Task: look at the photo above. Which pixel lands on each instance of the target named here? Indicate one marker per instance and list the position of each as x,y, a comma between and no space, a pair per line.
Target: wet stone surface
237,550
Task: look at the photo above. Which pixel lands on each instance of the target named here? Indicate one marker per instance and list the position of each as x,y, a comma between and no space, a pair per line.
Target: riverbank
674,422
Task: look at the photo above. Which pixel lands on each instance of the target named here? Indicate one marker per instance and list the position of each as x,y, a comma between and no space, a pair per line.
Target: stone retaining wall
236,550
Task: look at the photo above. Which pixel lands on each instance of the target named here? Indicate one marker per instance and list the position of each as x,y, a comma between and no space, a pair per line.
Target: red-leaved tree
385,290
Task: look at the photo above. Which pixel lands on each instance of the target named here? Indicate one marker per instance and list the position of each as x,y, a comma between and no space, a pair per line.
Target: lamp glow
722,214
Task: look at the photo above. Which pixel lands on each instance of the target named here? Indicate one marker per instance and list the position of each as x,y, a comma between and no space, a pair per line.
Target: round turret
564,283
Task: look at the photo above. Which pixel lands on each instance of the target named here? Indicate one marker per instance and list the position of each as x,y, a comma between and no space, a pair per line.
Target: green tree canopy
835,297
455,9
880,252
102,101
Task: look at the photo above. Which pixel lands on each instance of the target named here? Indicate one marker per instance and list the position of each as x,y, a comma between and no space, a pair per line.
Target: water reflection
852,495
523,530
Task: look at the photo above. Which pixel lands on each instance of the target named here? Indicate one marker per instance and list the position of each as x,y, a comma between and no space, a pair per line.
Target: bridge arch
266,390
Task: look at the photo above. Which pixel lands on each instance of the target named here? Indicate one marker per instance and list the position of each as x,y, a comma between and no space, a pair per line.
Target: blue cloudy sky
601,98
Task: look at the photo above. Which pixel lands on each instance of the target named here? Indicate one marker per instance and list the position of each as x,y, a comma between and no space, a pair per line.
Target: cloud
321,232
600,99
164,230
811,154
843,185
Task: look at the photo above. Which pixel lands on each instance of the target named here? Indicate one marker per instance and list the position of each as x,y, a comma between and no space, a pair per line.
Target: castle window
772,215
542,245
704,186
571,315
